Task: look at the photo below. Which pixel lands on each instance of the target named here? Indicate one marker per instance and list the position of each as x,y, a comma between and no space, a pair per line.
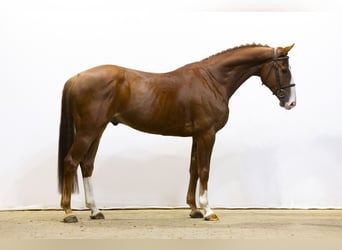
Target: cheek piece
280,90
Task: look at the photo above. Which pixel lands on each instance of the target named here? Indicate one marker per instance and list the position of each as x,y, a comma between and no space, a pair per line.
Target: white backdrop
264,157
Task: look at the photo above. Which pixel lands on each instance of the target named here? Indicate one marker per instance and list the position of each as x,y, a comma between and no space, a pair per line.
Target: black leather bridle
280,90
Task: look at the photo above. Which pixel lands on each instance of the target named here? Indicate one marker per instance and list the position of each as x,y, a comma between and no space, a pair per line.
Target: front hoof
195,214
98,216
211,217
70,219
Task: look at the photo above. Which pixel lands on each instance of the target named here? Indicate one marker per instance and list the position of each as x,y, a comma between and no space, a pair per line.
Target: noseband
280,91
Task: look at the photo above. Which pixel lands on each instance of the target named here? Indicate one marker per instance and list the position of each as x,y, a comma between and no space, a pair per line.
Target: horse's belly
156,125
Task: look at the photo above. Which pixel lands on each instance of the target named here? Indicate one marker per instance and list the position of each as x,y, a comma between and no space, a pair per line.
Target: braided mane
236,48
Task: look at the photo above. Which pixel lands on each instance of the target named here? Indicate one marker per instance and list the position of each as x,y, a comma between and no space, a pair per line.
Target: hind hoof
70,219
211,217
98,216
196,214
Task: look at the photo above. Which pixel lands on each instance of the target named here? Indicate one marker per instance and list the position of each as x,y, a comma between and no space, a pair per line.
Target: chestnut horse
189,101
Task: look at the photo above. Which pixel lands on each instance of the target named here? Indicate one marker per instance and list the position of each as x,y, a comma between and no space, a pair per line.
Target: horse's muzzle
288,105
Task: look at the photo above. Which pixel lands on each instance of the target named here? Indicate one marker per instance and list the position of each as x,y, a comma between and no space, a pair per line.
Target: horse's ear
287,49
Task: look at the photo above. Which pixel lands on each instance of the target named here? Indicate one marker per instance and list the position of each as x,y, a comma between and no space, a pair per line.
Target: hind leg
82,143
87,167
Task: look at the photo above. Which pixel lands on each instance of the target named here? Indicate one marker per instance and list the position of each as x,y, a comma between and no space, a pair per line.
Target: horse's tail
66,137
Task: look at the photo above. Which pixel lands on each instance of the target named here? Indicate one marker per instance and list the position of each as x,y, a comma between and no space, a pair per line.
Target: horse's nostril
293,104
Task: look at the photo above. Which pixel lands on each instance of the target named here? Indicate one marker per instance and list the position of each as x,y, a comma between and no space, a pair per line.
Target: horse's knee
203,174
70,166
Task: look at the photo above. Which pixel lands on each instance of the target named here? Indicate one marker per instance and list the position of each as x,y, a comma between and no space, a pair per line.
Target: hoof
98,216
70,219
195,214
211,217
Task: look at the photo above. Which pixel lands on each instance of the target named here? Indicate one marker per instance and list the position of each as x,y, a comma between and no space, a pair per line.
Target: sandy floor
174,224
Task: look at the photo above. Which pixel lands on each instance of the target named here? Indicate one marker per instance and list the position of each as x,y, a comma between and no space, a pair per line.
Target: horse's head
276,75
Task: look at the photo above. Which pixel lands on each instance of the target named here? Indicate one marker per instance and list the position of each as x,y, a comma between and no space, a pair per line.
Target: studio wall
264,157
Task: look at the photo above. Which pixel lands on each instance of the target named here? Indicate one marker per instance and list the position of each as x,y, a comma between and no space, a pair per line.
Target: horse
189,101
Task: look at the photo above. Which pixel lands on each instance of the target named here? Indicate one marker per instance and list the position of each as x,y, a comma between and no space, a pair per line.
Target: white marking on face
89,195
291,103
203,199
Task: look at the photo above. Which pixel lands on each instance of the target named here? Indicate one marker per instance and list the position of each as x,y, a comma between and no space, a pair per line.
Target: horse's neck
233,69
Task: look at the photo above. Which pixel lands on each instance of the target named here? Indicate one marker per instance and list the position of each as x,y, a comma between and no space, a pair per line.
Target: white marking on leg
203,199
89,195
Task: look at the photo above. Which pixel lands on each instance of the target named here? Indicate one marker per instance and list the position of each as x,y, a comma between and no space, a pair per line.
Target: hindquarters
87,107
86,110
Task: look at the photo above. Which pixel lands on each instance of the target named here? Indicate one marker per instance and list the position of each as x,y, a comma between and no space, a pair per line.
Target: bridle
280,90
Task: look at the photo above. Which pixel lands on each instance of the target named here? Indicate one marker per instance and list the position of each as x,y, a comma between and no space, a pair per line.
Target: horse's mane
236,48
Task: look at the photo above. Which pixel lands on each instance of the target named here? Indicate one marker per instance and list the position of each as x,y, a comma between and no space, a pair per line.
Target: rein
280,91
